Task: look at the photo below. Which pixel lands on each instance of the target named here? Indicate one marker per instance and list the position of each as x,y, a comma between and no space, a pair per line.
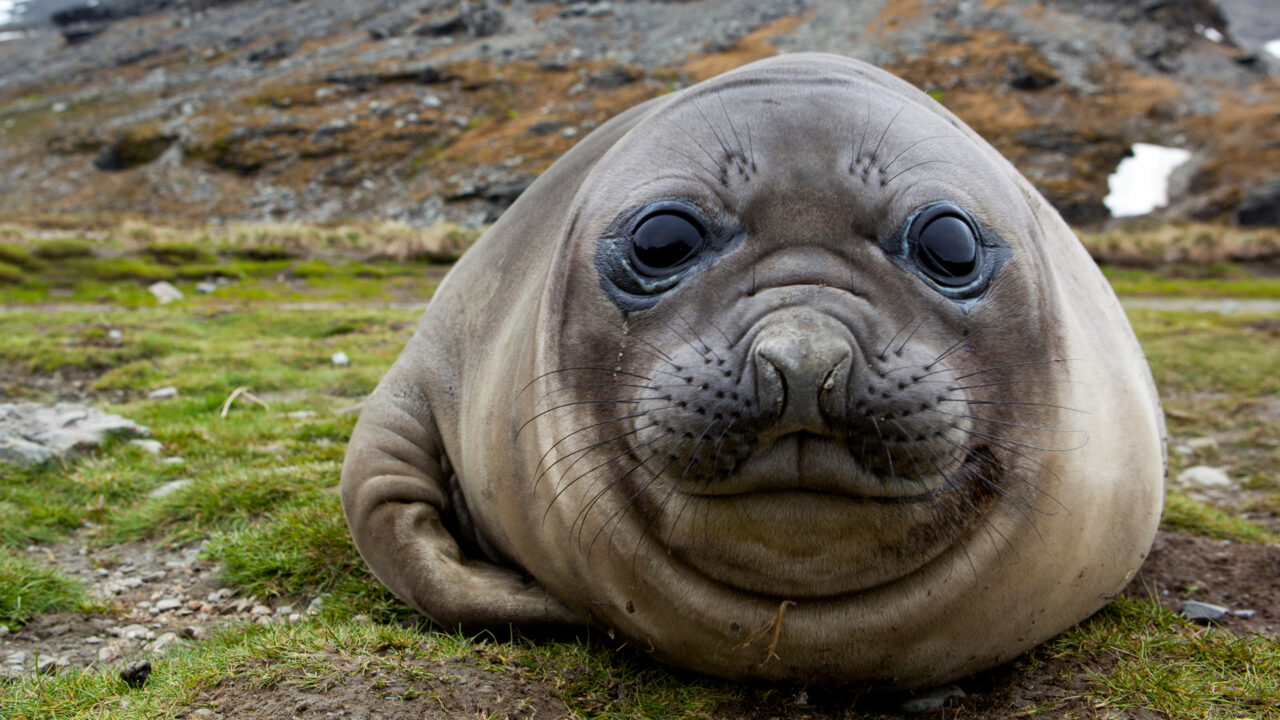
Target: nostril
802,376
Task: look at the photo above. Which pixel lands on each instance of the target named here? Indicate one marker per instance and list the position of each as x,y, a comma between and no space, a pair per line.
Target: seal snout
802,365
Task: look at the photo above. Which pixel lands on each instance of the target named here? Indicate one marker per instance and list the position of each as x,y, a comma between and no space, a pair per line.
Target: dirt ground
1180,567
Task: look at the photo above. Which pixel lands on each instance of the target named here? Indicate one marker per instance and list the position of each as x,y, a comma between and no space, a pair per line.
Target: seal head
788,375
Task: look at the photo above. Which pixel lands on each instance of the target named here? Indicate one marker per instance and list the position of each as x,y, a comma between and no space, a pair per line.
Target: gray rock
206,288
1203,443
1203,477
340,359
136,673
31,434
163,393
1261,204
169,488
165,292
1244,613
160,644
931,700
1202,612
168,604
22,452
151,446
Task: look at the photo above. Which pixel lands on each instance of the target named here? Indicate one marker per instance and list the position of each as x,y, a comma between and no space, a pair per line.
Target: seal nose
802,372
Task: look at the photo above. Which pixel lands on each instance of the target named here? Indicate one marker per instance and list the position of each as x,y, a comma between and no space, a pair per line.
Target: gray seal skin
787,375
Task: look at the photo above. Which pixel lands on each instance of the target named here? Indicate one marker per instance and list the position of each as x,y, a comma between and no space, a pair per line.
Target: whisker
1006,423
912,145
566,486
714,161
1031,381
581,386
1033,486
903,346
1013,365
582,367
581,452
913,167
1015,402
876,153
710,171
635,401
741,152
997,438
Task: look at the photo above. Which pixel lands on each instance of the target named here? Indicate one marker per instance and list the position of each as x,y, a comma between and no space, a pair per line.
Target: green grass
261,487
1157,661
29,587
1188,515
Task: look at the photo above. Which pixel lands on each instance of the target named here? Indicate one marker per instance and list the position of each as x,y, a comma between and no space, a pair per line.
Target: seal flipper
395,493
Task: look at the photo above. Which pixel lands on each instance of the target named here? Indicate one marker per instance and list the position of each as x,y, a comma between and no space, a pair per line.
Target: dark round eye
947,250
664,241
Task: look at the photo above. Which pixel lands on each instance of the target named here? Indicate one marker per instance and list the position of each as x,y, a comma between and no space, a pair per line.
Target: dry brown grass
1197,243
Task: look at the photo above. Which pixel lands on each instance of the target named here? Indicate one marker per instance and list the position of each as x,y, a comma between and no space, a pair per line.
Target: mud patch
17,382
407,689
1235,575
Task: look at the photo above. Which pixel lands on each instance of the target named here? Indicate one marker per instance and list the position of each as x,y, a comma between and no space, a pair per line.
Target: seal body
788,375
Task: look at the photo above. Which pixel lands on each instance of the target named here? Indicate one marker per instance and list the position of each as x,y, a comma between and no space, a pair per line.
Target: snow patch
1140,183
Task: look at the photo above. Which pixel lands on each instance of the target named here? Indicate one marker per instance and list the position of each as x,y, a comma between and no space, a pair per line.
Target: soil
158,598
1180,567
450,689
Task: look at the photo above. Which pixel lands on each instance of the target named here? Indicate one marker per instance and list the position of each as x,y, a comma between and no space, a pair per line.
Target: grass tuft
28,588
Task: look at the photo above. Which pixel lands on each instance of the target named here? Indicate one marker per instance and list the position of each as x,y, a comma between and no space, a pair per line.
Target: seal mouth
805,462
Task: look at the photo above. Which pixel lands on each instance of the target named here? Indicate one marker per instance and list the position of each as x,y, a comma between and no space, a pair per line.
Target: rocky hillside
437,109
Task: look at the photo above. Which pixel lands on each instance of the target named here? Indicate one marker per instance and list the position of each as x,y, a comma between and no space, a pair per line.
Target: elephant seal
787,375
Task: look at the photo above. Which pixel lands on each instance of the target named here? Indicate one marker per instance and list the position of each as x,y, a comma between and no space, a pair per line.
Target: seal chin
814,463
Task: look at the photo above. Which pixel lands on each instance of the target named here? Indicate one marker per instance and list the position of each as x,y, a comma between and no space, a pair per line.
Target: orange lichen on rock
894,15
753,46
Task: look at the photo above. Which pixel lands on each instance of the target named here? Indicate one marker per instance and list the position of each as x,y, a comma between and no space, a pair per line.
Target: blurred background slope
325,110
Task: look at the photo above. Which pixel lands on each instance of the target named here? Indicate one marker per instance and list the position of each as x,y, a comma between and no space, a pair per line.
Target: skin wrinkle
905,470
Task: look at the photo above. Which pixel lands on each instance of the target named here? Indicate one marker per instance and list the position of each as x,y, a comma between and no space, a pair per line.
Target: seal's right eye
663,242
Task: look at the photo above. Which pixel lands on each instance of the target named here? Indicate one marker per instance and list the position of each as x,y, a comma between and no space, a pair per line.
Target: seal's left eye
947,250
664,241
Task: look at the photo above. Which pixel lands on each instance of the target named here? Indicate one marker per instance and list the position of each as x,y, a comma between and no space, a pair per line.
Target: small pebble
1202,612
1204,477
340,359
150,446
115,334
136,673
931,700
202,712
1244,613
163,393
165,292
170,487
